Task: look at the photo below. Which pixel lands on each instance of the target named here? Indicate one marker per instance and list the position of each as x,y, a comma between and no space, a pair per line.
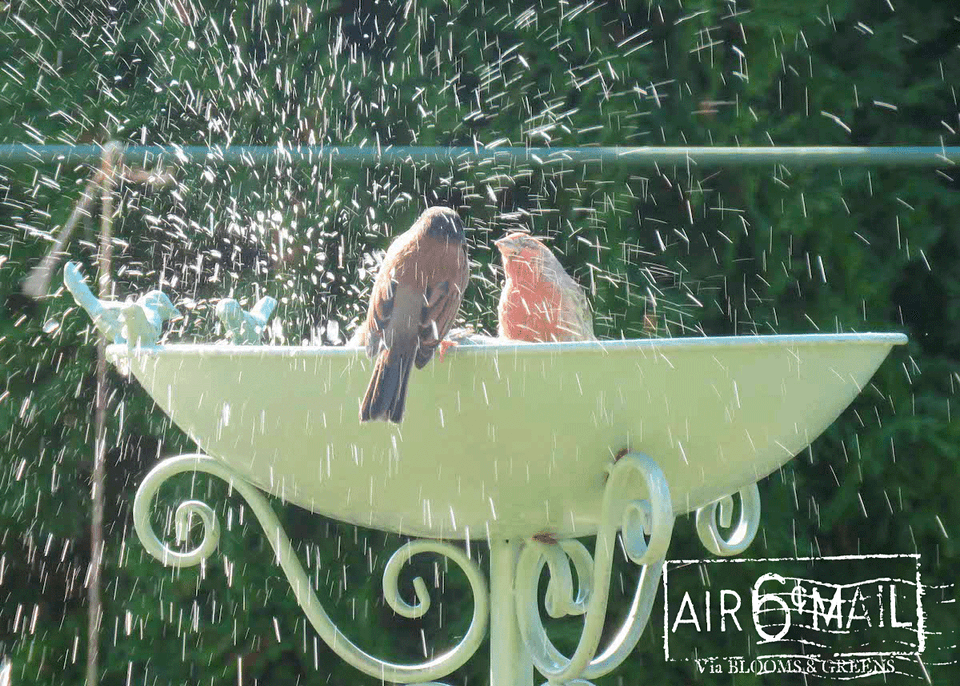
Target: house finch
415,299
540,302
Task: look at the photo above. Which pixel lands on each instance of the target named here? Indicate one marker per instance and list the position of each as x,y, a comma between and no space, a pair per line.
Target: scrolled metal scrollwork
402,556
647,527
423,672
148,537
560,600
742,535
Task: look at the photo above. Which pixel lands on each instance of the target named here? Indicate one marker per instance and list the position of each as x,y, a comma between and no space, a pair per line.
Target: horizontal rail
253,155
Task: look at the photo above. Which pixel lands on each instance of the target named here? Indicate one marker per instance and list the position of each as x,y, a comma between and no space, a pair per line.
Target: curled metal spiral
742,535
426,671
560,600
647,527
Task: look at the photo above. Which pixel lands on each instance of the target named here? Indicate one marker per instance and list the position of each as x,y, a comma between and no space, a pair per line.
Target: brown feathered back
415,299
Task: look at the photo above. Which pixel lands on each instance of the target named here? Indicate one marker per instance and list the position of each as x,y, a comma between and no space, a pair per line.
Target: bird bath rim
119,351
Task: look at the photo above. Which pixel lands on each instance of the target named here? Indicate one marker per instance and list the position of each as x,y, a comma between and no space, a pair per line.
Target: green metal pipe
254,155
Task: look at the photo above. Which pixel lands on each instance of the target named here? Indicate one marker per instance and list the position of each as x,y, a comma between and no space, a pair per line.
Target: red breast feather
540,302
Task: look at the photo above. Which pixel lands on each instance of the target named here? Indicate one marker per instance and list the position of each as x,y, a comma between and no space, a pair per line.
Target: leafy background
720,251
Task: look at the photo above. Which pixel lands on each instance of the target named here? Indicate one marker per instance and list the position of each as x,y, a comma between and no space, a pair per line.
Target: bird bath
524,446
510,440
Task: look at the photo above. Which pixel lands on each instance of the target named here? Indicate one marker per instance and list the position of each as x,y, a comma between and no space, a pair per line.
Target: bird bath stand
525,446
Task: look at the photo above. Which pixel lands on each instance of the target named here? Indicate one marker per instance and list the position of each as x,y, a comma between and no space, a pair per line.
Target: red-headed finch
415,299
540,302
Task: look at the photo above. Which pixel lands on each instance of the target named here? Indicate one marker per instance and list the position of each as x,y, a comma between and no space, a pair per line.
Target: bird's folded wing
438,315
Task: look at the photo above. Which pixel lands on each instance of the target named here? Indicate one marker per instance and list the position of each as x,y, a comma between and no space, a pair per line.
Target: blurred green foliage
720,251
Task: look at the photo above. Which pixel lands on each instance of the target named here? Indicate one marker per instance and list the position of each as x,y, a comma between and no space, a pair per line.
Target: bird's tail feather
386,395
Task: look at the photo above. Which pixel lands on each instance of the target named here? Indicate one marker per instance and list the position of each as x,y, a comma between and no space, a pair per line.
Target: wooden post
108,165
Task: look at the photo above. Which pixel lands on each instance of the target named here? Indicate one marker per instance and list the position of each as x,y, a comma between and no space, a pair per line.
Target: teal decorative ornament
242,327
137,323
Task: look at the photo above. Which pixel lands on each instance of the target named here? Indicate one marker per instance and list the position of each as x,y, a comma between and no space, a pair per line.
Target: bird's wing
381,309
105,315
578,314
73,280
263,309
443,301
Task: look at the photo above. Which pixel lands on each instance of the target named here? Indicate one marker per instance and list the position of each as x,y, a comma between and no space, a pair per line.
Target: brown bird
415,299
540,302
